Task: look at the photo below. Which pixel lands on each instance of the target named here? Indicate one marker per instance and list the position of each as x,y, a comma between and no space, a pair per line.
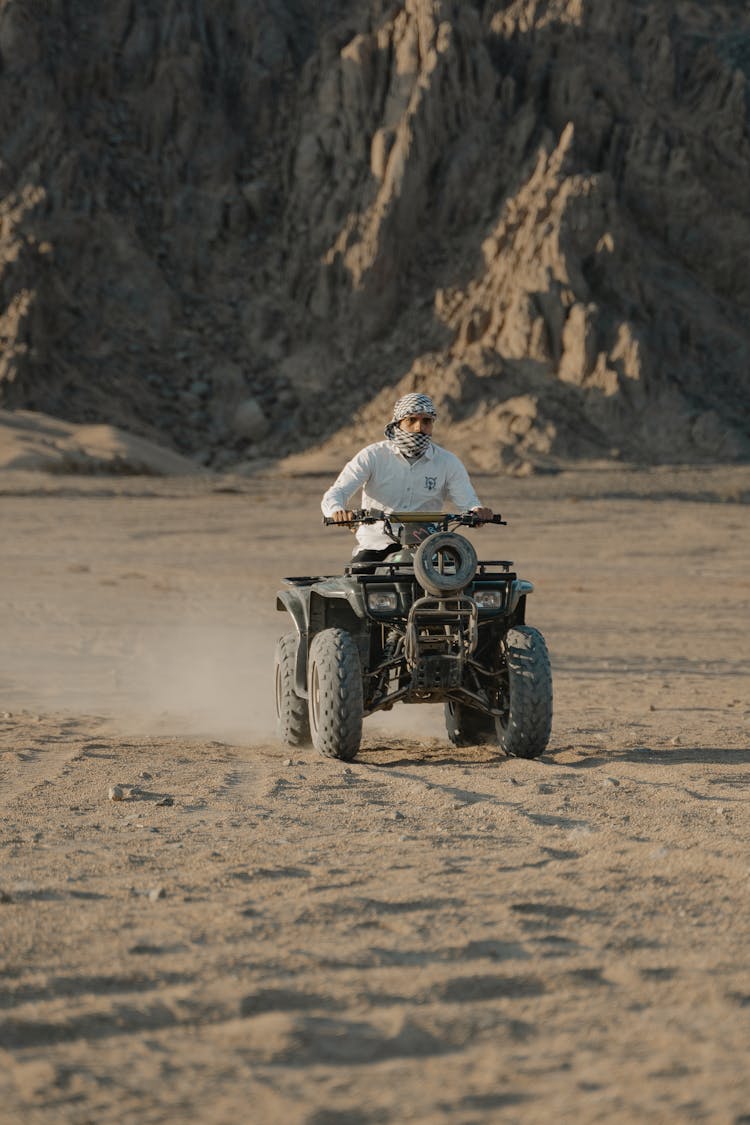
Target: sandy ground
425,935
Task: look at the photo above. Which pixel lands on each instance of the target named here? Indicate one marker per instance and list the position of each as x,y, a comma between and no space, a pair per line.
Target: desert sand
425,935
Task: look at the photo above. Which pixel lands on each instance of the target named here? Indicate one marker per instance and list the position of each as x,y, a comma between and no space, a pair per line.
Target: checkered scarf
411,445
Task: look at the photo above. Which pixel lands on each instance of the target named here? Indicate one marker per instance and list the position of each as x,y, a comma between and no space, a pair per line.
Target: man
405,473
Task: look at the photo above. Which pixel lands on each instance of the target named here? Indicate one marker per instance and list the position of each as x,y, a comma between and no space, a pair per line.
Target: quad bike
428,624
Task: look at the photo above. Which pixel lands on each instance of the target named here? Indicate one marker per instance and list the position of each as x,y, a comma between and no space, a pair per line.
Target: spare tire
445,563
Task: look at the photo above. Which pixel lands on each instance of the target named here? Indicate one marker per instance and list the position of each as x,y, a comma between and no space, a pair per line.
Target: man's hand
342,517
482,513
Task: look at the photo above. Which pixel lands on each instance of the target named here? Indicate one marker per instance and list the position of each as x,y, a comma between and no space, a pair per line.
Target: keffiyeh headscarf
411,445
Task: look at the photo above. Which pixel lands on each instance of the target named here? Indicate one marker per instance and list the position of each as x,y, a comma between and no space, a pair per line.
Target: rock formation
243,227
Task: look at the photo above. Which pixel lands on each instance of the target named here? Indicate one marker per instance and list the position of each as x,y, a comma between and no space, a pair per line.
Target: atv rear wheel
335,694
524,729
466,726
292,725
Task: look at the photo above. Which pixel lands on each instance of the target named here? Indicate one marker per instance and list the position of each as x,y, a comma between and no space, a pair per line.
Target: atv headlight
382,601
489,599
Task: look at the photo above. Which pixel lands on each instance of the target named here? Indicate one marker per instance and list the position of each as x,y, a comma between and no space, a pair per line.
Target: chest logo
430,483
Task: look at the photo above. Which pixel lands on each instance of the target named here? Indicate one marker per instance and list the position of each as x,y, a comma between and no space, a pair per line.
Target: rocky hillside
240,227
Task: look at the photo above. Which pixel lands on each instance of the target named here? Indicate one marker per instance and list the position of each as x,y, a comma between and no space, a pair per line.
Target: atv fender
298,609
519,588
328,604
340,605
335,604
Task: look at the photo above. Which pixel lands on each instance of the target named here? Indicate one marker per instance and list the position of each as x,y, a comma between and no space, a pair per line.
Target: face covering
411,445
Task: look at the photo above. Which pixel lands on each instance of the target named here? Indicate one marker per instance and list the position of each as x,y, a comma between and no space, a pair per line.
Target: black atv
429,624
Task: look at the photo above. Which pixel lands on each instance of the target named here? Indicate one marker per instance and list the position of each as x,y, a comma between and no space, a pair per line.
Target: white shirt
393,484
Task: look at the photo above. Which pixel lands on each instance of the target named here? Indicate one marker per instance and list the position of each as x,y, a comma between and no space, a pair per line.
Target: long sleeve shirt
393,484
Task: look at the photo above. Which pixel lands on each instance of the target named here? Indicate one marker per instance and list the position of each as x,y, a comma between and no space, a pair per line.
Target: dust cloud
195,679
210,680
218,682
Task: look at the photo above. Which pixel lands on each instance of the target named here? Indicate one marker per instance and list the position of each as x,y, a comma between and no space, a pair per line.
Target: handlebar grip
359,515
471,519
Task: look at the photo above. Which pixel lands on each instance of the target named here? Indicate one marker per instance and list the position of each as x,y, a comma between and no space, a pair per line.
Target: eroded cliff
243,227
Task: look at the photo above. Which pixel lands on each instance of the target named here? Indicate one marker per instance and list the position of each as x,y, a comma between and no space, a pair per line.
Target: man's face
417,423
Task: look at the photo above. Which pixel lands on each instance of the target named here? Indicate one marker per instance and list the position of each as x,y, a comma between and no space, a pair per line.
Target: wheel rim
452,709
279,690
314,697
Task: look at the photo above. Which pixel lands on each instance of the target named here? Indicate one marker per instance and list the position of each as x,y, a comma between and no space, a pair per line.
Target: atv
430,623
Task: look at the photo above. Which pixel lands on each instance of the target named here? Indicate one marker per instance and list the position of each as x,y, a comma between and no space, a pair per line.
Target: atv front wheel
292,725
524,729
335,694
466,726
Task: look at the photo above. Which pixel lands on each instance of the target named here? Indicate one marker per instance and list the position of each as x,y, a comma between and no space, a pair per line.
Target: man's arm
461,490
355,474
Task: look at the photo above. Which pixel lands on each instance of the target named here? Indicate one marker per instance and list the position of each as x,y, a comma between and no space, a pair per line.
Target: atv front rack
396,570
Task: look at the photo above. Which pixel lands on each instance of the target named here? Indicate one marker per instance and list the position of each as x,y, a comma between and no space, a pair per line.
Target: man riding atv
406,472
416,617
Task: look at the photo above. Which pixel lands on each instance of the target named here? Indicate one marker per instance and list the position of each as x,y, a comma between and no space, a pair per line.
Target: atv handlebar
443,519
